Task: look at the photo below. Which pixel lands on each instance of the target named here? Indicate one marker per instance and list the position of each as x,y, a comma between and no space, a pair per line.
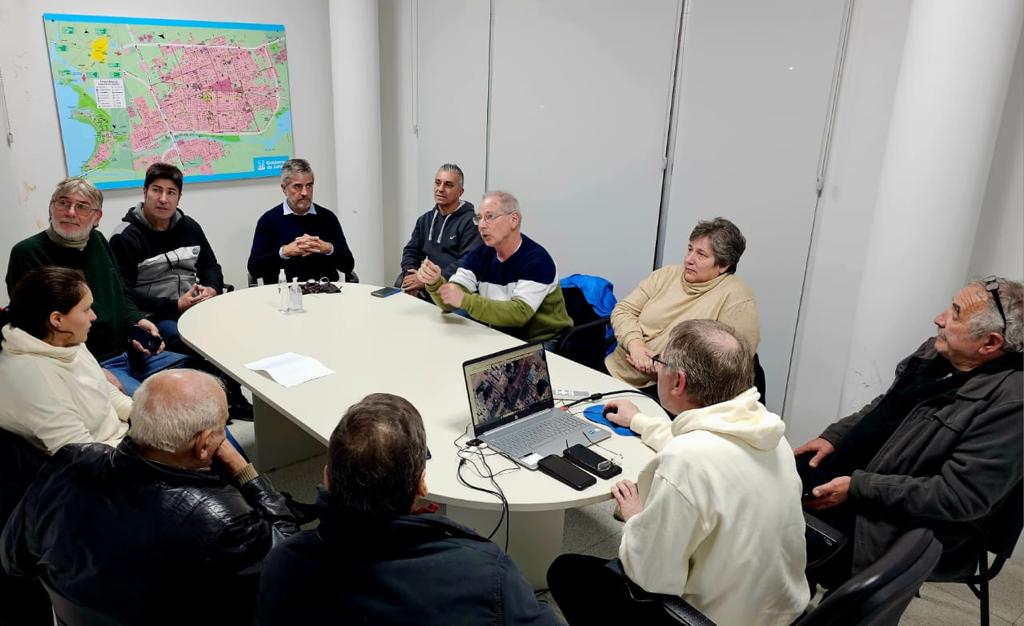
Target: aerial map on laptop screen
511,383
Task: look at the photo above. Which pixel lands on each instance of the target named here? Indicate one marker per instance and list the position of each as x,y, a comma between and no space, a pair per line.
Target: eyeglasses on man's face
658,360
487,219
82,208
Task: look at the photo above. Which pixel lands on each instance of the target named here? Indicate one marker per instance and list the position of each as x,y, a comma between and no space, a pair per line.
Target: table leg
534,541
279,442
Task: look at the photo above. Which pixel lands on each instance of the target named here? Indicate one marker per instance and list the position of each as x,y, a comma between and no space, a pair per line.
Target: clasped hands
194,296
639,356
428,274
305,245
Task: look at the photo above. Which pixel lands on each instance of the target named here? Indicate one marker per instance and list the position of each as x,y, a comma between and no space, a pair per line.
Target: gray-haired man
716,515
170,527
941,448
299,236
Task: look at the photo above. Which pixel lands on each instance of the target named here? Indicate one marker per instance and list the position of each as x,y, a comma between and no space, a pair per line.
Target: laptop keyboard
525,439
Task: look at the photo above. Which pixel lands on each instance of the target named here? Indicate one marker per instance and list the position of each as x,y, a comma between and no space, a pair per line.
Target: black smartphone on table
564,471
384,292
591,461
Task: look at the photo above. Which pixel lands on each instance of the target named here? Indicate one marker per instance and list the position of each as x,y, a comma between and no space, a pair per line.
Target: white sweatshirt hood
17,341
743,418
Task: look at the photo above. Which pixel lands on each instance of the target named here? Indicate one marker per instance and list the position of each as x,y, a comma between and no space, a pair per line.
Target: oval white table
404,346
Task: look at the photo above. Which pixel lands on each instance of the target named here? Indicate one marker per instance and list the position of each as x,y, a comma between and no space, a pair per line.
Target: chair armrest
228,288
677,609
823,541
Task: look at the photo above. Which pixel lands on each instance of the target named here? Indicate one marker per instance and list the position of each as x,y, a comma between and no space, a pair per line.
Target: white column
355,73
946,112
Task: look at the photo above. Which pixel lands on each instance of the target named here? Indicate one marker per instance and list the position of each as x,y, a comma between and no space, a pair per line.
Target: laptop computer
513,408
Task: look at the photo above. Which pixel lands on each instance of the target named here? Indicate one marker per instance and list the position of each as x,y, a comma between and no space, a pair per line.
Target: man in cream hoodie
715,517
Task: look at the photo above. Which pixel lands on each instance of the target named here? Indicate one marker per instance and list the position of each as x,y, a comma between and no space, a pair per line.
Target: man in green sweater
510,282
72,240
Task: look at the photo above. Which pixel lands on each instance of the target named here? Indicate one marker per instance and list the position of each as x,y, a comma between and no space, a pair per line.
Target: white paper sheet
290,369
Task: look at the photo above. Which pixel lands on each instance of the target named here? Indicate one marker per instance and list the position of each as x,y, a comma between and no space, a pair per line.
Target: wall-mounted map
209,97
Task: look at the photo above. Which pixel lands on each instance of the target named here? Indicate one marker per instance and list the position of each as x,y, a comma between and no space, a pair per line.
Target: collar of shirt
288,209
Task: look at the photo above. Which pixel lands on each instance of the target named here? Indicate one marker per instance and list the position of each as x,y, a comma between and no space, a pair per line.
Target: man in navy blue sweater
303,238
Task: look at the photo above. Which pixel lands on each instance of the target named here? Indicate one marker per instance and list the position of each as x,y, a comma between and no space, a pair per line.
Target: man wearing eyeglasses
941,448
715,516
73,240
444,234
510,282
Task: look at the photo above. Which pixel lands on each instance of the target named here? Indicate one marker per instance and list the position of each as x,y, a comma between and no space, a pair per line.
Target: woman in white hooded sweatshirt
54,390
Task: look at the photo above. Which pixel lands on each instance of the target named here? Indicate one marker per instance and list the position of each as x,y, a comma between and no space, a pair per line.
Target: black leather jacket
143,542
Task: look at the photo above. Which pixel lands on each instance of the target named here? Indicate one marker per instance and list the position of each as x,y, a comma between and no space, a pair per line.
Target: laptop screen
507,385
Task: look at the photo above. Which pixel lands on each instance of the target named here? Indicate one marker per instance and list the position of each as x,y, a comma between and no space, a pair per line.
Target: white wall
227,210
998,245
877,32
755,87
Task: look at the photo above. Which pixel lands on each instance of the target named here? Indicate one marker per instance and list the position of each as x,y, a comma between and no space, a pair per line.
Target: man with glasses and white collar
73,240
509,283
941,448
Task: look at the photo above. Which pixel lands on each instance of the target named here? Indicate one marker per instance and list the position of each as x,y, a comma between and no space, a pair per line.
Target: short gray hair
1011,296
77,184
292,167
506,201
168,412
451,167
727,242
718,364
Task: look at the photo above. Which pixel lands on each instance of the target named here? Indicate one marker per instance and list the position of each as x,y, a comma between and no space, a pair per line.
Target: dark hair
42,291
376,457
717,363
163,170
727,242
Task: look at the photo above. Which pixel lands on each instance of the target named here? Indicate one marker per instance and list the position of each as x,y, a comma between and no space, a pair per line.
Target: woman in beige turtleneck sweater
54,391
705,286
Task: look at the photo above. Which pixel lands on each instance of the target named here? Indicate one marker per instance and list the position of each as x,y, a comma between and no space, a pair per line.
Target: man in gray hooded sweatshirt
444,234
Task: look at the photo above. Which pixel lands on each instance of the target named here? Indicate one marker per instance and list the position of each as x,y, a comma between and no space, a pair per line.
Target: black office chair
586,342
877,596
759,380
22,600
880,594
998,533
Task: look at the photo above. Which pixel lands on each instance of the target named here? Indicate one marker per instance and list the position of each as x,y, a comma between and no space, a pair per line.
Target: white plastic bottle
294,297
282,291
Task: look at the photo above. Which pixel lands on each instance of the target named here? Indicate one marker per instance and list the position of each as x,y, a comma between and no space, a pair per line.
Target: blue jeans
132,369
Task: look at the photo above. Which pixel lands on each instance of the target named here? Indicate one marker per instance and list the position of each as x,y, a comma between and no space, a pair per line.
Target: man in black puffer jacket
170,527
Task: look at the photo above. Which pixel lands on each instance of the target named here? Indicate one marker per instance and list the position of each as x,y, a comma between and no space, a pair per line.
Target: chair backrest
67,613
879,594
759,380
585,342
1003,527
19,463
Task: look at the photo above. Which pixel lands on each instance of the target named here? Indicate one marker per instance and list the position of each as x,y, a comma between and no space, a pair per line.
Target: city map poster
209,97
